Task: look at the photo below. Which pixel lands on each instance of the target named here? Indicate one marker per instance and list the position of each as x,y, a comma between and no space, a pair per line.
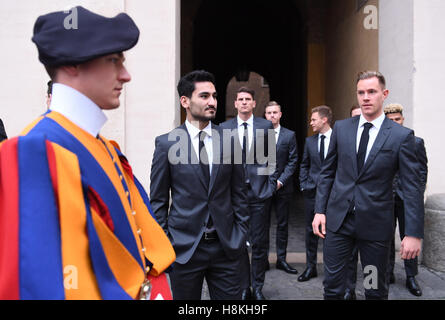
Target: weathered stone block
434,239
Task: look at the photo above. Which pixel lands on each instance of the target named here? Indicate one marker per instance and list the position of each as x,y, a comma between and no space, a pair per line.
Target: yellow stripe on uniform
80,281
126,269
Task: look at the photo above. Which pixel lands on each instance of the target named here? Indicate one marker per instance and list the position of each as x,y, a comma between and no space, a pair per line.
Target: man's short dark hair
50,88
371,74
52,72
247,90
353,108
186,84
324,112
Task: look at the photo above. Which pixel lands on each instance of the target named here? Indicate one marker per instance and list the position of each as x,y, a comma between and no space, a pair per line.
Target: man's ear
185,102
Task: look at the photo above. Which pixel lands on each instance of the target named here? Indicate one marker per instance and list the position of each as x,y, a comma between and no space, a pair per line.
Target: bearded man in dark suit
207,218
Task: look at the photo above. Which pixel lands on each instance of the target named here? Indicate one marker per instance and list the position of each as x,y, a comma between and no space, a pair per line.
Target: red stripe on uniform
9,221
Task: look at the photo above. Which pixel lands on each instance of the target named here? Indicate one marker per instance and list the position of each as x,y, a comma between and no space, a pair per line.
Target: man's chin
110,106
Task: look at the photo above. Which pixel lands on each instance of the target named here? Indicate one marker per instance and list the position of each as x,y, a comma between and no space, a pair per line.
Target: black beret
79,35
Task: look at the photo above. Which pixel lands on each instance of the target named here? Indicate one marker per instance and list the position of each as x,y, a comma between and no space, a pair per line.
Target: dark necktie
322,137
245,142
363,146
204,163
204,158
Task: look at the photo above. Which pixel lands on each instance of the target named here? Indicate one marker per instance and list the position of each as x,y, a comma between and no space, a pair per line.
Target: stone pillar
434,239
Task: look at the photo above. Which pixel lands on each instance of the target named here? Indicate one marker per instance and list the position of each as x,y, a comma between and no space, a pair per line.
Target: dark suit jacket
310,166
263,186
423,168
3,135
340,188
287,159
191,201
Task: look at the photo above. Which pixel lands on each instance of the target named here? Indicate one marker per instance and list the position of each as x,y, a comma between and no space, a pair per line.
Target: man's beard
203,118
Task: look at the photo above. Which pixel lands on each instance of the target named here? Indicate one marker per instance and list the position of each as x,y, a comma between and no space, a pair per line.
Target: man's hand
279,185
319,220
410,247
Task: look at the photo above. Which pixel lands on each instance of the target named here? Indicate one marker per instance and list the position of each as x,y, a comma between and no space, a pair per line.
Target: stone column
434,239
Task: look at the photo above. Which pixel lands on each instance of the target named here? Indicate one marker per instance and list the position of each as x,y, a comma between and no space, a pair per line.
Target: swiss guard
75,223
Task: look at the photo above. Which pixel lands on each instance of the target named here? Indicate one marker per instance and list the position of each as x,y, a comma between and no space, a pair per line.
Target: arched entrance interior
254,81
232,37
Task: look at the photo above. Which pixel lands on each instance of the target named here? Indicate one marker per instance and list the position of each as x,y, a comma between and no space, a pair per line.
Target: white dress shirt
327,140
77,108
277,133
376,124
194,137
249,131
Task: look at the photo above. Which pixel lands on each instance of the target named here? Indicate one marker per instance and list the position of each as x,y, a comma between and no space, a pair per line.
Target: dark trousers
311,240
253,272
337,252
411,265
279,202
351,277
210,262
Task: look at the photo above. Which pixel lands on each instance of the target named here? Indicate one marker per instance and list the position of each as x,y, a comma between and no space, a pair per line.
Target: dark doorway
268,37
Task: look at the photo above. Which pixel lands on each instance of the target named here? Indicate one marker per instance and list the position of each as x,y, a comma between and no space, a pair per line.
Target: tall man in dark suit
315,150
207,218
354,202
394,112
3,135
287,158
254,137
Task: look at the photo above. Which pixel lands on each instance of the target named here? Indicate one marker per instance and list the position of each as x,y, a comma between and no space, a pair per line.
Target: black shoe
392,278
246,294
283,265
310,272
350,295
413,286
258,295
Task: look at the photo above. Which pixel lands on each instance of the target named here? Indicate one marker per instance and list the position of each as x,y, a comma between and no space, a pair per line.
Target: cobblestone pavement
282,286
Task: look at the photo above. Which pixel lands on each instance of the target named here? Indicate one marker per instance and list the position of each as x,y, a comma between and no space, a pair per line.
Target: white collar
194,131
248,121
78,108
377,123
327,134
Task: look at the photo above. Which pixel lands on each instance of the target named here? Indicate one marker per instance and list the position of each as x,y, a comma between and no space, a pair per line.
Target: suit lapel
352,142
314,147
280,137
217,143
378,143
252,147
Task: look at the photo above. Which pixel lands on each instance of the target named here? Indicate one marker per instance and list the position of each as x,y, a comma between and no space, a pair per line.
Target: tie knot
322,137
245,125
202,135
368,125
